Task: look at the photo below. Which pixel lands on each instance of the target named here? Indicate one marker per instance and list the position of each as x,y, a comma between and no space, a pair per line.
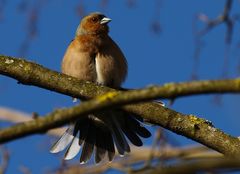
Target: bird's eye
94,19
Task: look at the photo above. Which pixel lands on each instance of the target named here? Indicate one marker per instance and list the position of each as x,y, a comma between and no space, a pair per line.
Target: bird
93,56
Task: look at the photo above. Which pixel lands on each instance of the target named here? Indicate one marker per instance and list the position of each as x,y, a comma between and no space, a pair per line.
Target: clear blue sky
153,59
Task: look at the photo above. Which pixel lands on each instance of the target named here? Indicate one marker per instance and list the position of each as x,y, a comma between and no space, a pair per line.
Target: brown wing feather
111,65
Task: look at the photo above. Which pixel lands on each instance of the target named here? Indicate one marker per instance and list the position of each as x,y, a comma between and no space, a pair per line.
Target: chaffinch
94,56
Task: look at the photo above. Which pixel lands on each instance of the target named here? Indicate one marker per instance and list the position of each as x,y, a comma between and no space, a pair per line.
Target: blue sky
153,59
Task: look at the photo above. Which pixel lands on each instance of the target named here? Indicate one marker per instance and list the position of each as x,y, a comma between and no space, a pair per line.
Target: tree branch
196,166
139,155
189,126
30,73
13,116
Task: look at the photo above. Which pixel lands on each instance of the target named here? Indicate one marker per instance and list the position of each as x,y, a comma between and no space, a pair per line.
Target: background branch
4,159
13,116
140,155
192,167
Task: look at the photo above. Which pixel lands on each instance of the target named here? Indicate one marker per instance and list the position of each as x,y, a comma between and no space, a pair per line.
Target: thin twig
4,160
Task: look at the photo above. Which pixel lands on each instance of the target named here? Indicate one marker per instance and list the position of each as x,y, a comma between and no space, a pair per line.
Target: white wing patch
100,78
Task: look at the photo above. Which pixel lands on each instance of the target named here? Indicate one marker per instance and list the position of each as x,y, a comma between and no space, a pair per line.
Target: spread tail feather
73,149
63,141
119,138
101,144
88,145
98,133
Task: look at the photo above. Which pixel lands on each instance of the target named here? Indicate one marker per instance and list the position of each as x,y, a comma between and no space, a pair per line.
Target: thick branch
187,125
30,73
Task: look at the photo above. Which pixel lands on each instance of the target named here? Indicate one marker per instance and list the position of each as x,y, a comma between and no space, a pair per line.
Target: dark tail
99,133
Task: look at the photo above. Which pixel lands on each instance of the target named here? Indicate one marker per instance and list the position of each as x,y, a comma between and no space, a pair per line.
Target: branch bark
189,126
30,73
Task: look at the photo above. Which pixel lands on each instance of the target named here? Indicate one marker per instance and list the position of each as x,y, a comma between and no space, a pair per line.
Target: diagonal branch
189,126
30,73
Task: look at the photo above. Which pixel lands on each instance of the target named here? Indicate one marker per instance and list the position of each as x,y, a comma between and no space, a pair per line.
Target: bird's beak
105,20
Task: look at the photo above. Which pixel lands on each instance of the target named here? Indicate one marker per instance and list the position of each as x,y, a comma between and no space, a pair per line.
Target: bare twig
25,170
157,138
223,18
2,5
4,160
32,22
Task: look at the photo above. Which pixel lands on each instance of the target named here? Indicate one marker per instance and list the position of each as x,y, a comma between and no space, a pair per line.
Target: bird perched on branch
94,56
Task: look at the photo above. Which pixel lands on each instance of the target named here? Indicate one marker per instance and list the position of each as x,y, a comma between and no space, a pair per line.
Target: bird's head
94,23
